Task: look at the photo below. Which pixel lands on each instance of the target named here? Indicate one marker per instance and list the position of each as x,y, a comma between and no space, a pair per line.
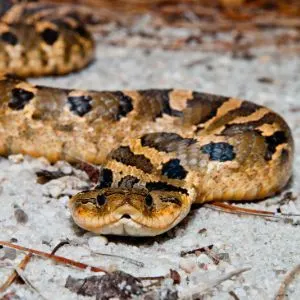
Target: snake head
136,212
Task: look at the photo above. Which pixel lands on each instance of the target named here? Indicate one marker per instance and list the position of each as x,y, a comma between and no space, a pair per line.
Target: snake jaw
127,221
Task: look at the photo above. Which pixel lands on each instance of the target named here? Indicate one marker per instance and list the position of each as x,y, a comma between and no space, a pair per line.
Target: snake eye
149,200
100,200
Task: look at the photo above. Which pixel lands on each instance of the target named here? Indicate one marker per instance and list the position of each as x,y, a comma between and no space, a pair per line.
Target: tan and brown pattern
160,151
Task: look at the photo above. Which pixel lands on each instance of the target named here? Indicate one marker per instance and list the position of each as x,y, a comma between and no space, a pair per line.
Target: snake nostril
125,216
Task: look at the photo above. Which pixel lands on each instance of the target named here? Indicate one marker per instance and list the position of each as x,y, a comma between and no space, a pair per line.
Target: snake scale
159,151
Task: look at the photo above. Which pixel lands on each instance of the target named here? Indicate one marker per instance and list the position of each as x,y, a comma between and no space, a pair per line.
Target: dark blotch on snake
80,105
165,141
128,182
284,156
124,155
247,108
125,104
173,169
82,31
105,178
161,100
233,129
219,151
9,38
19,98
50,36
206,104
162,186
273,141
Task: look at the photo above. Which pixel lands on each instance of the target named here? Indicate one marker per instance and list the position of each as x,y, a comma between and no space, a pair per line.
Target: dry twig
207,250
14,275
128,259
58,259
233,209
281,294
199,290
202,249
20,273
58,246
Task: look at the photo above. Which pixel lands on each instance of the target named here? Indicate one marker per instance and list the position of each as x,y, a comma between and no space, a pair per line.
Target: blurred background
199,24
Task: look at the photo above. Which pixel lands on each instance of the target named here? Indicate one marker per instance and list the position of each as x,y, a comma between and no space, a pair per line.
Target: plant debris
56,258
281,294
118,285
175,276
195,292
266,80
15,274
92,171
194,251
287,197
44,176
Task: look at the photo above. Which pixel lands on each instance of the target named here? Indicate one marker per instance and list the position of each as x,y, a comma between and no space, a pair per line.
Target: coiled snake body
160,151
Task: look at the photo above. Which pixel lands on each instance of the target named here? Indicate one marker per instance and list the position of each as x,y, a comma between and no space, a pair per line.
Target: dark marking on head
165,141
81,30
170,199
100,200
80,105
219,151
5,6
149,200
160,102
162,186
19,98
173,169
128,182
124,155
9,38
273,141
29,10
125,104
49,35
204,106
63,23
105,178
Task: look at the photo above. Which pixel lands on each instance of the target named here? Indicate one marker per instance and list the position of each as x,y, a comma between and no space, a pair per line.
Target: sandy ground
269,247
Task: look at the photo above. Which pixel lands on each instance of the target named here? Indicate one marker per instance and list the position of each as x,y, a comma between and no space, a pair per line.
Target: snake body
159,151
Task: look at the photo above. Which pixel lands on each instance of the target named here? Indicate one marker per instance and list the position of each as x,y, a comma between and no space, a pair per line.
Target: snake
159,151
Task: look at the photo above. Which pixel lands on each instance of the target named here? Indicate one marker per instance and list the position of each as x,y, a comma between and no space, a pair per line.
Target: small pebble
96,243
9,254
54,188
64,167
20,215
188,265
16,158
227,284
203,259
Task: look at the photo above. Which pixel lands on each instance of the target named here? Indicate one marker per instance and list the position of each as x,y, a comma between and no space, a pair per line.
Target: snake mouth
126,216
127,226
